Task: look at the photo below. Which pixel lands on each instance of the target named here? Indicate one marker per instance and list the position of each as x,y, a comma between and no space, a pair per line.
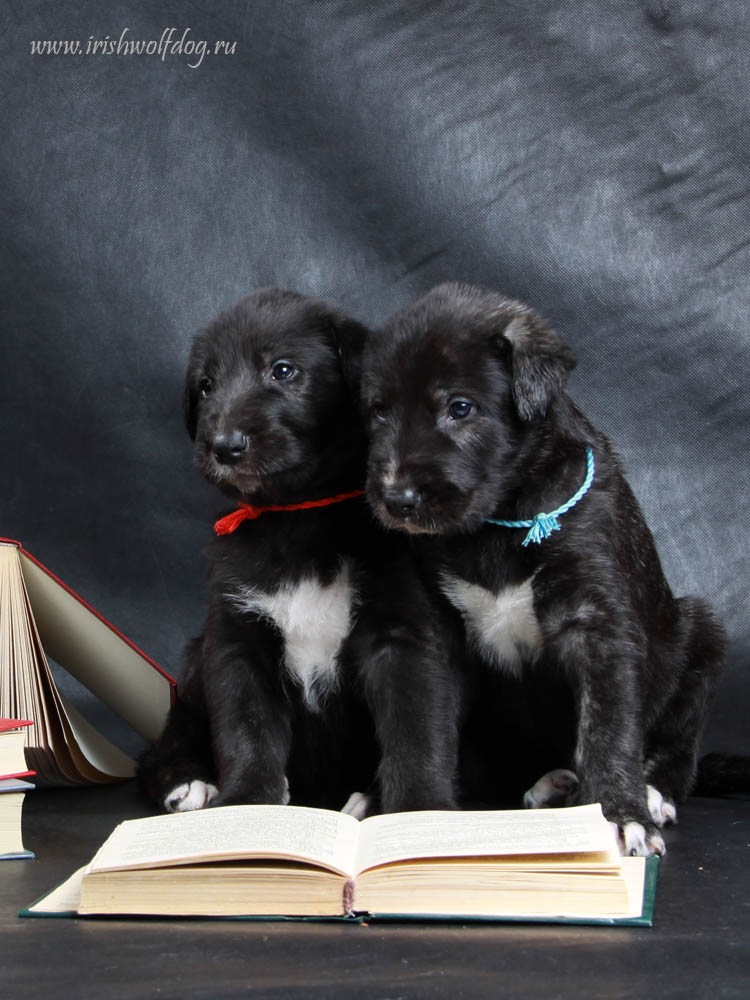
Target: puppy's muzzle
402,501
230,448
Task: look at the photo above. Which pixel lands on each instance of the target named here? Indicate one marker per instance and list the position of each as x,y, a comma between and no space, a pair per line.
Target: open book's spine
349,887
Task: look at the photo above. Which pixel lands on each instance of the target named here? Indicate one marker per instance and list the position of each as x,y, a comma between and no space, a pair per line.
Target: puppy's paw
286,797
357,805
190,795
636,840
663,811
554,789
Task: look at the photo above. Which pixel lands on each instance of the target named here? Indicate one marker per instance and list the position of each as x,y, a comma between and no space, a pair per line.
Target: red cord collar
246,512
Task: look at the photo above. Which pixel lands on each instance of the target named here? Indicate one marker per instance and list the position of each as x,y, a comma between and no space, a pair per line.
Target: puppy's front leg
609,758
414,701
177,771
250,719
609,755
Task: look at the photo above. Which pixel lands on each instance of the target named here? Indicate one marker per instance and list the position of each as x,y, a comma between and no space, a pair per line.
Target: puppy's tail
723,775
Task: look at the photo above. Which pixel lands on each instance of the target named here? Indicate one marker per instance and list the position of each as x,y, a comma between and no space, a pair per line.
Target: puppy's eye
459,409
282,371
378,413
205,386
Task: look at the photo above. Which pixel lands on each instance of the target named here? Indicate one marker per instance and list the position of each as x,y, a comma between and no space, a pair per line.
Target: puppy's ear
540,362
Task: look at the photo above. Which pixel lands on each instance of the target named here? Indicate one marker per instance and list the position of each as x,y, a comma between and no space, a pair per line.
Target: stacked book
14,784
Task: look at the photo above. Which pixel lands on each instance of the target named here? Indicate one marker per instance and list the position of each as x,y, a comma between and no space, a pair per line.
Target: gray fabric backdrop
591,157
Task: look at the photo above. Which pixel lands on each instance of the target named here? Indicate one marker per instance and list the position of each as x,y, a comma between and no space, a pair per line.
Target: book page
64,898
634,873
94,653
401,836
316,836
95,757
79,751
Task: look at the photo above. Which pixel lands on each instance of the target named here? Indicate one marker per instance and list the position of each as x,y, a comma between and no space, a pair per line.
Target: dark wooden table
698,947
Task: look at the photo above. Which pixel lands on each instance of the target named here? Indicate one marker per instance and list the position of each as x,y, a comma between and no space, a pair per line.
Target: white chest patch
503,626
314,619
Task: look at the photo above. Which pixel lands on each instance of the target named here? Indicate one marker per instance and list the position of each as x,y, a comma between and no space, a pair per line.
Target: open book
240,861
39,613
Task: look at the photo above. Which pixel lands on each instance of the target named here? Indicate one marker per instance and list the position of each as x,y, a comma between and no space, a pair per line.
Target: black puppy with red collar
320,669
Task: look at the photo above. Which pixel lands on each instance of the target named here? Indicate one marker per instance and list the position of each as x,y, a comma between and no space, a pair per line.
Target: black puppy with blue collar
521,515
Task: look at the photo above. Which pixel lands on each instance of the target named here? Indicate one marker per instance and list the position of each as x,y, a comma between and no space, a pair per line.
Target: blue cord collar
542,525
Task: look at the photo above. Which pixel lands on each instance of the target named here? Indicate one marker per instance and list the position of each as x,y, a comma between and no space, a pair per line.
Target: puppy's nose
229,448
401,501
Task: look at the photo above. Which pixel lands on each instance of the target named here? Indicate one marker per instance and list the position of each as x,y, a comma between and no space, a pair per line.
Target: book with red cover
12,739
41,616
